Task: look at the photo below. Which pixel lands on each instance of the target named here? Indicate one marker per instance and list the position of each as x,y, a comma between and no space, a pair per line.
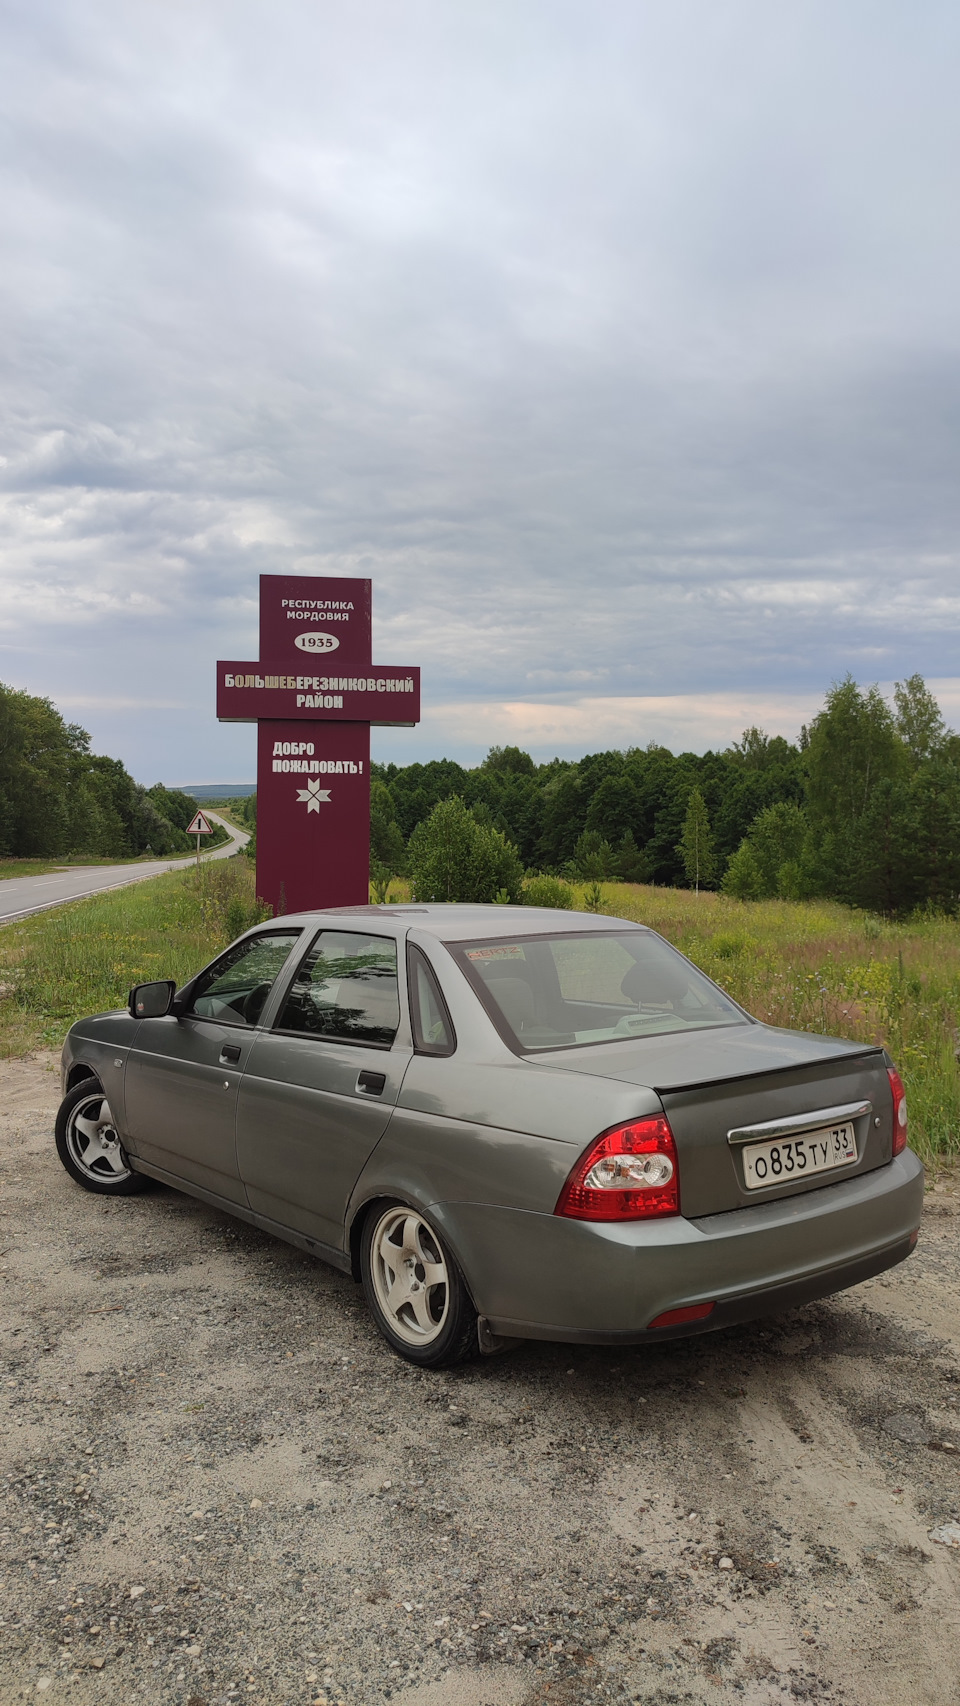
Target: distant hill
218,790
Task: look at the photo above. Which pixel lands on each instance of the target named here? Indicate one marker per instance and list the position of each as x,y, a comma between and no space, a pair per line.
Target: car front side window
235,988
345,990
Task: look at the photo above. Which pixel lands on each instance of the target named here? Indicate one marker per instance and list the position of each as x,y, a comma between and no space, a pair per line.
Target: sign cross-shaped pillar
314,695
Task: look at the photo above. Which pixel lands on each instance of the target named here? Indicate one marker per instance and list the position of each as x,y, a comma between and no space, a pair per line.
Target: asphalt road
218,1486
20,896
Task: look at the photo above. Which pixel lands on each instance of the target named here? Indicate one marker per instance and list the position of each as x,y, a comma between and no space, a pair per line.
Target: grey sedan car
508,1123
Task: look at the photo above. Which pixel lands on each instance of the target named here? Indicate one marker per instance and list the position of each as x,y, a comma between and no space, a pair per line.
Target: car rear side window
568,991
345,989
235,988
433,1031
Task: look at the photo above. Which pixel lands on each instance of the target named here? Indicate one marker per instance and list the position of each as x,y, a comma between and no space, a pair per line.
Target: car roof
451,923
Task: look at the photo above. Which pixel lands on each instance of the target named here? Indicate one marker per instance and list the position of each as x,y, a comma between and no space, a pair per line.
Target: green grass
70,861
29,867
806,965
818,966
84,957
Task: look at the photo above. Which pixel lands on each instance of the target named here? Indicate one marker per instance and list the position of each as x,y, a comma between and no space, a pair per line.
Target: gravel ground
220,1486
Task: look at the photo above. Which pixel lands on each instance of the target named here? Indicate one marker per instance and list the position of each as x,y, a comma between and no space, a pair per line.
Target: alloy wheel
93,1141
409,1275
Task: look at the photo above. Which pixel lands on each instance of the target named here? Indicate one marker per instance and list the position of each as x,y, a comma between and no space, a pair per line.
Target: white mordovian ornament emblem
313,796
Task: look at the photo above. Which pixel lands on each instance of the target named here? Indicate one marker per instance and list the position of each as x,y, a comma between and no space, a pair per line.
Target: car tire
89,1144
415,1290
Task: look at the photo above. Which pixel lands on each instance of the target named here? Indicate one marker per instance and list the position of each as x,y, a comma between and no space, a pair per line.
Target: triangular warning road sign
199,826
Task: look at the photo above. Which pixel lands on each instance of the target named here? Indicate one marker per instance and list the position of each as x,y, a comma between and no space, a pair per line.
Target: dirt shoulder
220,1486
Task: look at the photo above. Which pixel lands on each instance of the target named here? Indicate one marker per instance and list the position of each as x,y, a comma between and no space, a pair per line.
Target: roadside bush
227,905
547,891
731,945
743,877
452,857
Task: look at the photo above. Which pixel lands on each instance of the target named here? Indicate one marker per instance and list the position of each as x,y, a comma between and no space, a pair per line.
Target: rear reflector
673,1317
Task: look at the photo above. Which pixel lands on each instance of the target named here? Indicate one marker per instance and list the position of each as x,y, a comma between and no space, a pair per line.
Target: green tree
565,802
770,857
56,797
174,805
885,873
743,877
633,866
452,857
614,809
387,846
40,760
756,750
695,846
853,747
919,722
933,834
388,852
594,860
852,744
663,785
509,761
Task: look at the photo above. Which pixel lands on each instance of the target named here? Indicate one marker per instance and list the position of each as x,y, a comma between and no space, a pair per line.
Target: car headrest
654,981
514,997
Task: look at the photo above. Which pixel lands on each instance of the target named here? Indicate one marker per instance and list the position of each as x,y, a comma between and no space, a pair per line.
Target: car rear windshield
565,991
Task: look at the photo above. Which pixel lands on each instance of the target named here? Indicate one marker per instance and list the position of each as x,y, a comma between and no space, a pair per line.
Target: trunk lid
719,1081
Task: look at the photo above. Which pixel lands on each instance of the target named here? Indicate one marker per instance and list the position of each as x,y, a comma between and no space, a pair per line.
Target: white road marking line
145,872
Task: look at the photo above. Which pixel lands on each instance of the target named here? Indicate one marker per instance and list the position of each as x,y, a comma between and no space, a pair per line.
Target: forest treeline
864,808
57,798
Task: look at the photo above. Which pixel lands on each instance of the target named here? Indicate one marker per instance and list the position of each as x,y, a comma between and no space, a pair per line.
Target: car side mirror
151,1000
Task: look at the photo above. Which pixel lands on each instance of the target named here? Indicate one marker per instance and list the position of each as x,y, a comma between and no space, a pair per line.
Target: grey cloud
618,345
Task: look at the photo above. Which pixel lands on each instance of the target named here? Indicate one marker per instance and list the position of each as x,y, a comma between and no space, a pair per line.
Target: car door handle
372,1083
230,1051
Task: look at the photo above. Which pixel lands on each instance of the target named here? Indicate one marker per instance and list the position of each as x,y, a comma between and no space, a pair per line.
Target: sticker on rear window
513,952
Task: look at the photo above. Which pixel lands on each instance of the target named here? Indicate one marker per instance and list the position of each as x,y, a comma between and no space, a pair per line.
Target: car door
183,1071
321,1084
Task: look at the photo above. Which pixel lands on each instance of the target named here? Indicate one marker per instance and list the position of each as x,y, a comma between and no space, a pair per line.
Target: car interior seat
514,997
652,983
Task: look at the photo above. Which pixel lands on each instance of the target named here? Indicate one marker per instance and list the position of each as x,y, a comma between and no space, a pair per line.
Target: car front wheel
89,1146
415,1289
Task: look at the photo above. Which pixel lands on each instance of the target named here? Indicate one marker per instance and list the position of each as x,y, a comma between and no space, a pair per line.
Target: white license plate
784,1159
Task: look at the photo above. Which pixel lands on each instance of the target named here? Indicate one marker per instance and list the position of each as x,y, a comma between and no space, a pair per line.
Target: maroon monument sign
313,695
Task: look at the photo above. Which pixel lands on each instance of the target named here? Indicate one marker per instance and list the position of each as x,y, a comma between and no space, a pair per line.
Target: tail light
629,1173
899,1111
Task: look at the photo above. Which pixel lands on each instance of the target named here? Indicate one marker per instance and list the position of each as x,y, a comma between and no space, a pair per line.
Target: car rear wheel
415,1289
89,1146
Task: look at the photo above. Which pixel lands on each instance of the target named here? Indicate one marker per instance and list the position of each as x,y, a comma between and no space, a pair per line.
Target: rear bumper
542,1277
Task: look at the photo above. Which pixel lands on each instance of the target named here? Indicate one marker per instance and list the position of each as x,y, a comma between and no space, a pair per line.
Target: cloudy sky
618,343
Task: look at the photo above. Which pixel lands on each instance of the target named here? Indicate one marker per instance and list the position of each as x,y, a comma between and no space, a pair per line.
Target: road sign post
199,827
314,695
